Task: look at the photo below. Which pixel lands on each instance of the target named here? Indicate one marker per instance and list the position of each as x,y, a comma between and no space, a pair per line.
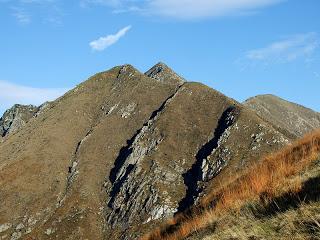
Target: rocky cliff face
122,152
289,118
15,118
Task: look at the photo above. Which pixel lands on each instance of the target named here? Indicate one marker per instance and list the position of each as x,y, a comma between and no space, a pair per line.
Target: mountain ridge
293,118
115,156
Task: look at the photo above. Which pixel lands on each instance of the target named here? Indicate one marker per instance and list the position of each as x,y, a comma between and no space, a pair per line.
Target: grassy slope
288,216
275,199
295,223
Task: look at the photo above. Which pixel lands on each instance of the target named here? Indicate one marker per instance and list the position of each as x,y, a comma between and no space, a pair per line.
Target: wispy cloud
14,93
110,3
104,42
133,9
286,50
180,9
27,10
185,9
21,16
189,9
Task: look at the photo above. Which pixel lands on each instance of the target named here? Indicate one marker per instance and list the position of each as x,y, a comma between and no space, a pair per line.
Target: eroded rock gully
128,197
205,169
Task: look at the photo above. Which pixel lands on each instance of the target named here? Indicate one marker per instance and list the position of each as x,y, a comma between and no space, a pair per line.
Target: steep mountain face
122,152
15,118
289,118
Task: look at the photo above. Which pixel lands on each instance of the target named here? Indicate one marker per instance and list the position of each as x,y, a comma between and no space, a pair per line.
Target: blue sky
239,47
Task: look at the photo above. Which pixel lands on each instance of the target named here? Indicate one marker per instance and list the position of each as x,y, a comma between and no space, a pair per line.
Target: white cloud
11,94
185,9
27,10
286,50
206,8
104,42
182,9
129,9
21,16
110,3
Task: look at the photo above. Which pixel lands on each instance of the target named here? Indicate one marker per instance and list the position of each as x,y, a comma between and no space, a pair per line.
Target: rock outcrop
15,118
161,72
121,153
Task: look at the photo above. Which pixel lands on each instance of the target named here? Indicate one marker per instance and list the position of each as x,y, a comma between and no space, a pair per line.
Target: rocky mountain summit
163,73
121,153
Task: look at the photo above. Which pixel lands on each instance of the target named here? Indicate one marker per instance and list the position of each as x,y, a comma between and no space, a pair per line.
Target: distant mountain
15,118
287,117
122,152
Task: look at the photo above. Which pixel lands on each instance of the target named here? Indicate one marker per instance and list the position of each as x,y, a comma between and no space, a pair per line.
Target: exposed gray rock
43,108
126,111
15,118
161,72
160,212
133,193
20,226
110,110
49,231
205,167
126,71
16,235
4,227
73,168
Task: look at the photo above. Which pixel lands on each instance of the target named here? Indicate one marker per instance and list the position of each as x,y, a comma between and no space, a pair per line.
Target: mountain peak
162,65
161,72
125,72
136,149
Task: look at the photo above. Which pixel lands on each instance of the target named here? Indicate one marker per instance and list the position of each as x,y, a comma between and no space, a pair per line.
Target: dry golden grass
267,178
